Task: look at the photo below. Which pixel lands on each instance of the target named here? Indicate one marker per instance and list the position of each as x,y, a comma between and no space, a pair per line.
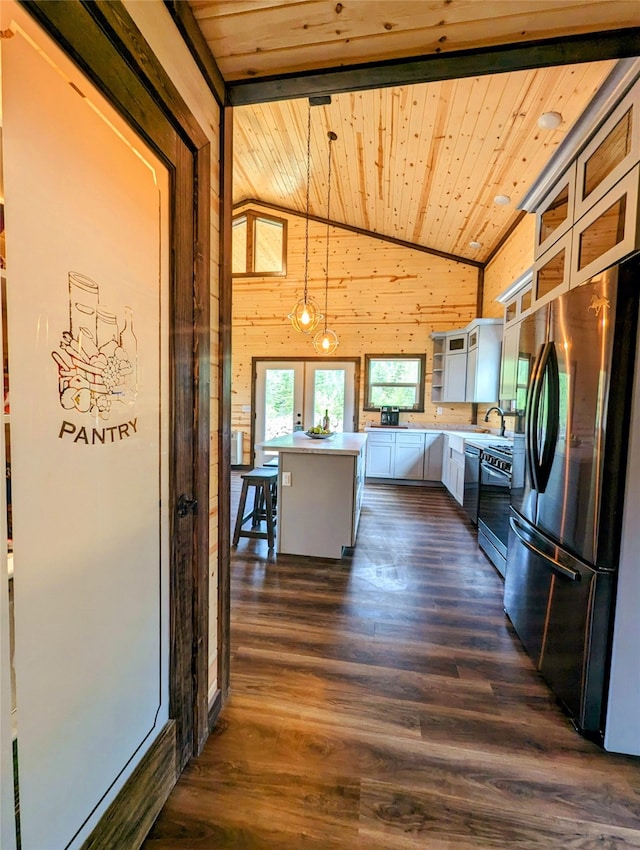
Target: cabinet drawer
409,439
381,438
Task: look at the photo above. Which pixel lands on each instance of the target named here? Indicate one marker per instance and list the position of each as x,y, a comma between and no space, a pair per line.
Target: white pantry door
87,267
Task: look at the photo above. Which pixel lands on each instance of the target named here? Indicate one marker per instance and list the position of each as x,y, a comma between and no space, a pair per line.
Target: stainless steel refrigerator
576,360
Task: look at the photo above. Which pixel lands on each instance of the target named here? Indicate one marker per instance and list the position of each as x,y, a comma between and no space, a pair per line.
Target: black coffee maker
389,416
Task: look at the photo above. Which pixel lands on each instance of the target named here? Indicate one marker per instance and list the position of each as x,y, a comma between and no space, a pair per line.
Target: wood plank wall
513,259
383,299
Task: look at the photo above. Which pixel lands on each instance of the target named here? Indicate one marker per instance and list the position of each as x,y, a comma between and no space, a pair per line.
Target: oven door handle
556,565
497,473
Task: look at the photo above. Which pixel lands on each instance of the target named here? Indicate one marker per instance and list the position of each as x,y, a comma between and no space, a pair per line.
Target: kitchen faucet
501,412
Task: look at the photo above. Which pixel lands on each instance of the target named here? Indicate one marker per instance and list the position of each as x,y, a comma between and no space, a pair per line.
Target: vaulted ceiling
420,162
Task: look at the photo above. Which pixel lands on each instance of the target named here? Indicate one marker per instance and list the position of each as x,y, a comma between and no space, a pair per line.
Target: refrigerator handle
551,426
556,565
530,419
538,462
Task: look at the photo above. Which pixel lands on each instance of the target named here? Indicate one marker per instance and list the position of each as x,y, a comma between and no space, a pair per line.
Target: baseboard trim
127,821
214,709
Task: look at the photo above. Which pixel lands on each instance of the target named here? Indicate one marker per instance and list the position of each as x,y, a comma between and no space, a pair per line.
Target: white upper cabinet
455,368
467,365
517,301
611,153
483,361
552,271
589,220
608,232
554,216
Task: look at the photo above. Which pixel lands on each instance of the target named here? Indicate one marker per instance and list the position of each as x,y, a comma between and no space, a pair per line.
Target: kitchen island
320,487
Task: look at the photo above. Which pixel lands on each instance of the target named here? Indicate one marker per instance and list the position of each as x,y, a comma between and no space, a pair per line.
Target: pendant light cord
332,136
306,230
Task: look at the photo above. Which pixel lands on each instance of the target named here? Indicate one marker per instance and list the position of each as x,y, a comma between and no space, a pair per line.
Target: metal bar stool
265,481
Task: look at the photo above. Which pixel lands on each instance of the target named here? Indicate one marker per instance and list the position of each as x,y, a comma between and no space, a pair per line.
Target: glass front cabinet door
552,270
608,232
610,154
555,214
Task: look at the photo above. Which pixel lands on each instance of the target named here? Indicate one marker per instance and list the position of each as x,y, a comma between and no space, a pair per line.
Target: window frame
418,406
251,217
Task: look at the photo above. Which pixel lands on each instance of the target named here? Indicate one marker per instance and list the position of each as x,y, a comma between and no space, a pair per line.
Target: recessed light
550,120
475,245
503,200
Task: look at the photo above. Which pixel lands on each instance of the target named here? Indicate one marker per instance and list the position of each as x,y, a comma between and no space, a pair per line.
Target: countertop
467,434
479,439
338,444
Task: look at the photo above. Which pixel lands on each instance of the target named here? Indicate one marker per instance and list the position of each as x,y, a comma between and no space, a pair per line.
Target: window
259,245
394,380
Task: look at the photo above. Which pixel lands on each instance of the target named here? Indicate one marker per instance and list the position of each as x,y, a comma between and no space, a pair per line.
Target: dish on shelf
319,436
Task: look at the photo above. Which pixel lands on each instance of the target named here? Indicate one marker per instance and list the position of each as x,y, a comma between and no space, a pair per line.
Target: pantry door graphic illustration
86,208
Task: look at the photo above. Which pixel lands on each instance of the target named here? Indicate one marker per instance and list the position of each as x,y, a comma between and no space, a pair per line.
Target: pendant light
306,314
326,341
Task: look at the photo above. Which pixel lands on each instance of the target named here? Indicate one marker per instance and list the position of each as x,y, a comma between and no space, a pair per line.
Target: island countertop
338,444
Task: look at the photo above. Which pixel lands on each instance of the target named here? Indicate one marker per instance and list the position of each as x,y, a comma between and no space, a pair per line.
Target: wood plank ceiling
424,162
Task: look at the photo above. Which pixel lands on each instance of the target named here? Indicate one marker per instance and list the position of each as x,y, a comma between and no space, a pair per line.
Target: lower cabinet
358,493
409,459
433,457
509,365
404,456
456,475
453,467
381,452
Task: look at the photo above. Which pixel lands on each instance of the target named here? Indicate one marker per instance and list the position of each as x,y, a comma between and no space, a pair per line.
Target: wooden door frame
102,39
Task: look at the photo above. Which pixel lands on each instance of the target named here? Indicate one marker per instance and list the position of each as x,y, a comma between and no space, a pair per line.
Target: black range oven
493,503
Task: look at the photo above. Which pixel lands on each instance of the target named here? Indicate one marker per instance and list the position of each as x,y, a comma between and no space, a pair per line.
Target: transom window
259,245
394,380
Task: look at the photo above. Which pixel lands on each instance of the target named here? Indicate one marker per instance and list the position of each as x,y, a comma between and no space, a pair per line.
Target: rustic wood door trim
224,412
103,40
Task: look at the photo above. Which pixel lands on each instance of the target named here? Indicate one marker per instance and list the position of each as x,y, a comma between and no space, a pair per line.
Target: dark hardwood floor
384,703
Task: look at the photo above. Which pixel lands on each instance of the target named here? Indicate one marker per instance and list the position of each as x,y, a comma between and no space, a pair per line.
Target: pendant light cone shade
306,314
326,341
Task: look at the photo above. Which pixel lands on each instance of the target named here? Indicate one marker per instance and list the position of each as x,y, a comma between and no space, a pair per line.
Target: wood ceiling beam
248,202
589,47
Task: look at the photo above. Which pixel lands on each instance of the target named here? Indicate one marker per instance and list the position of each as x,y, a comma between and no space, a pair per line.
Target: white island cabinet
320,488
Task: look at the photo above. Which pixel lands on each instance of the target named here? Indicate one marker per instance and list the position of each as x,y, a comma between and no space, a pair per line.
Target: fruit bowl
315,436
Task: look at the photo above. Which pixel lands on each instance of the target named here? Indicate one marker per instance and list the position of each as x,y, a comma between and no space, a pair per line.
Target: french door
293,395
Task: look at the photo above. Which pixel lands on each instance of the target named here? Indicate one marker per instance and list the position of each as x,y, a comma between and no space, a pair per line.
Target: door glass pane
555,214
328,394
279,402
551,275
605,233
609,154
525,301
